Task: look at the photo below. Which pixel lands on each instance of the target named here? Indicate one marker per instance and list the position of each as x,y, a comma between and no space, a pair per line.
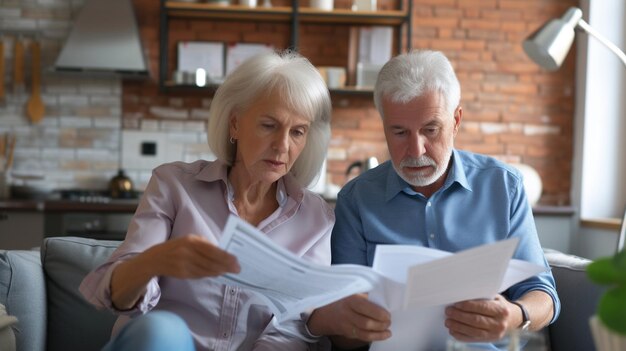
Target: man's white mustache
421,161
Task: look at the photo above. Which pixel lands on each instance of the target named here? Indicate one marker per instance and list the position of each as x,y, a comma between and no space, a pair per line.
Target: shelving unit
295,15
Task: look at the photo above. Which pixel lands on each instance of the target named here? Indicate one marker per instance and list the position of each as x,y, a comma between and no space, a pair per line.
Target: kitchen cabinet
294,16
21,229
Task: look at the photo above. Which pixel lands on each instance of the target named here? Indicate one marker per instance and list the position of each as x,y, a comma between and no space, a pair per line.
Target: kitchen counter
69,206
108,219
121,205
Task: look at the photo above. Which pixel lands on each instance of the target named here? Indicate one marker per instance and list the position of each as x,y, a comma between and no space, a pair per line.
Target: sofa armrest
579,298
23,292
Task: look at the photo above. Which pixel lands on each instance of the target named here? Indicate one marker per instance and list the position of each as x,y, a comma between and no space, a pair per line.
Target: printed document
287,283
414,283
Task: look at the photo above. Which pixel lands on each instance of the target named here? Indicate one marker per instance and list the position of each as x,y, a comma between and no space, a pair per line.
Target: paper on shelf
206,55
237,53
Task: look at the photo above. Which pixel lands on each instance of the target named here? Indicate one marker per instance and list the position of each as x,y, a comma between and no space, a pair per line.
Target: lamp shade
549,45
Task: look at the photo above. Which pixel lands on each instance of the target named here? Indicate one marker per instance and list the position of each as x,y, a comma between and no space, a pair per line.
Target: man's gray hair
411,75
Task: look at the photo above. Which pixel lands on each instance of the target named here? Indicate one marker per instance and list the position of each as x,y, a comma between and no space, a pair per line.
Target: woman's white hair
411,75
301,88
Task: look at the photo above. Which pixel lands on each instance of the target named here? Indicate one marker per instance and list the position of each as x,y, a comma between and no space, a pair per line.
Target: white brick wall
77,144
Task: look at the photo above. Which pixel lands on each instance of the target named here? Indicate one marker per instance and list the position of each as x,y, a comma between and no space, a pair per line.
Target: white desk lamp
549,45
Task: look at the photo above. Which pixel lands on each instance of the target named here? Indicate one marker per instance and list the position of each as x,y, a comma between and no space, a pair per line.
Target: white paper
238,53
414,283
206,55
287,283
432,279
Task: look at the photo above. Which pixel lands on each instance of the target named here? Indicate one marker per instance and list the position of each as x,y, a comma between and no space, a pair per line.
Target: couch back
38,288
73,323
34,289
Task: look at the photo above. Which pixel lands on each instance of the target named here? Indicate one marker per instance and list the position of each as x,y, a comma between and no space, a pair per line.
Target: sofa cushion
23,292
579,297
73,323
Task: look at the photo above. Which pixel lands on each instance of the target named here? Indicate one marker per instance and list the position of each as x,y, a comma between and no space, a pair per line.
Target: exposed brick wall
512,109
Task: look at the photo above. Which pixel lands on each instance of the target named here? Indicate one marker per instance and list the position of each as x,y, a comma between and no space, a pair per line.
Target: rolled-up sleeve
529,249
96,289
153,216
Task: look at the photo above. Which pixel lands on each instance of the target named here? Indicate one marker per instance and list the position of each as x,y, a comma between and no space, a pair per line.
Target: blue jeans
154,331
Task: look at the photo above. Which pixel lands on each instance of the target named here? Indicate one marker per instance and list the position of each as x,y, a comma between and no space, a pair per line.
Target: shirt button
224,335
232,291
428,204
432,236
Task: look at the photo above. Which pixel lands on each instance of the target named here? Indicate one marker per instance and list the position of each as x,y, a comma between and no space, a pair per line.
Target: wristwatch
525,318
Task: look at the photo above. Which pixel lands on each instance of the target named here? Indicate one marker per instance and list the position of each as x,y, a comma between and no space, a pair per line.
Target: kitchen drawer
21,230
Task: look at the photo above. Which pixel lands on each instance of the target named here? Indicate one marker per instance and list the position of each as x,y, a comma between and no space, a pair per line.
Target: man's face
420,137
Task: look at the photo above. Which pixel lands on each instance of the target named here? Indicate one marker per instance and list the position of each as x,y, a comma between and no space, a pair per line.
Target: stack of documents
414,283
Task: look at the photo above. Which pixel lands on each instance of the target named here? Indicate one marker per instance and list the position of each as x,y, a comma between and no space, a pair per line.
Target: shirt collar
218,171
396,184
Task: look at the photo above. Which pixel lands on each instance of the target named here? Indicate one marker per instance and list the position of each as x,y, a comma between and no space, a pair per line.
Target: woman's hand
353,321
188,257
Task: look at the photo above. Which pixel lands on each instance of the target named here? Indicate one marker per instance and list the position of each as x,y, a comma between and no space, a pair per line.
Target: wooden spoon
35,107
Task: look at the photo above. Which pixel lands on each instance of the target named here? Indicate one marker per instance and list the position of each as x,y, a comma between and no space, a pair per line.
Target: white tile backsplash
132,158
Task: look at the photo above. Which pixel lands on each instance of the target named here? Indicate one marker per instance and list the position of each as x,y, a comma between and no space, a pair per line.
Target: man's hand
353,321
482,320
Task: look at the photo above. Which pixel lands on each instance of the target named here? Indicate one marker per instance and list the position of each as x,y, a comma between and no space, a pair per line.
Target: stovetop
94,196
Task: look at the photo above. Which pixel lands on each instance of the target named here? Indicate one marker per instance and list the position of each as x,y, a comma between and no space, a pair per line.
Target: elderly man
433,195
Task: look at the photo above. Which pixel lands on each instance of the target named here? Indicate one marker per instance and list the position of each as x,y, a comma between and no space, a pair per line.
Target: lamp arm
622,234
587,28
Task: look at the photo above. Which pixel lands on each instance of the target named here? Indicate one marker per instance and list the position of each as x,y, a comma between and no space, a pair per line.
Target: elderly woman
269,127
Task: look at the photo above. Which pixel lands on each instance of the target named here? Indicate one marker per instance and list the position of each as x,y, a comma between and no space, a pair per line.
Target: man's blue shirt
481,201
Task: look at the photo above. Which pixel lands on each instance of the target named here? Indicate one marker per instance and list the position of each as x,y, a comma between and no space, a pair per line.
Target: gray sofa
41,290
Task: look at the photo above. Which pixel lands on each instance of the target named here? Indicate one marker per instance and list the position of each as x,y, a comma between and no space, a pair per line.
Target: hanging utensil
35,107
18,65
10,148
3,147
1,70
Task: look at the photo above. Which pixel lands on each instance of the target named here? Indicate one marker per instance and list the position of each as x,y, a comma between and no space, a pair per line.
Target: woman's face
270,138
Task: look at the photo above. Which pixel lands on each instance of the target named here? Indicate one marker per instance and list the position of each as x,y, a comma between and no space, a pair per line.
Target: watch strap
525,318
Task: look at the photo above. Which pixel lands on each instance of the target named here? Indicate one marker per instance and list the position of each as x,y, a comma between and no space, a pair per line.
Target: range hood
104,39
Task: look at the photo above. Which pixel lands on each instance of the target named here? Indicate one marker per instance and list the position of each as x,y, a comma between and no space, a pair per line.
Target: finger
368,335
214,267
369,310
224,260
483,307
465,332
475,320
461,336
215,256
478,329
